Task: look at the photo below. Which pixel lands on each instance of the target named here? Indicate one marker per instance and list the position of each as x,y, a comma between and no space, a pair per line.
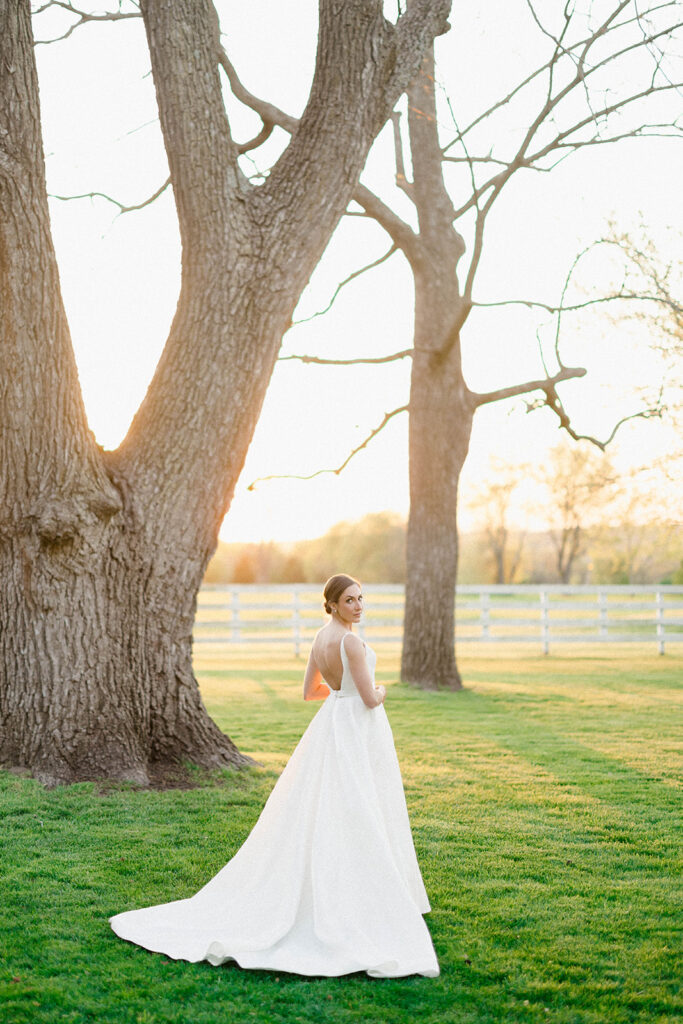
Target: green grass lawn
545,802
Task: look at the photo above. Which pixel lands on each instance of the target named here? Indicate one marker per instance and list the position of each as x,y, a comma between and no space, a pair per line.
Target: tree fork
102,554
84,632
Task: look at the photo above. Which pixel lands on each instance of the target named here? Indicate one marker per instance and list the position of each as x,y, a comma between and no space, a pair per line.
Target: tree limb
401,180
373,433
83,18
522,158
543,384
488,159
581,44
248,252
373,83
477,250
268,112
194,124
558,142
122,206
574,307
401,233
258,139
349,362
57,480
347,280
556,39
552,401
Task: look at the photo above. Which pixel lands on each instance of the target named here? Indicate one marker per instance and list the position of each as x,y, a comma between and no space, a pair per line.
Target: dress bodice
348,687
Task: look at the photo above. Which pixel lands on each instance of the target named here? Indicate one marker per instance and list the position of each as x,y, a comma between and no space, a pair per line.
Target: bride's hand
381,693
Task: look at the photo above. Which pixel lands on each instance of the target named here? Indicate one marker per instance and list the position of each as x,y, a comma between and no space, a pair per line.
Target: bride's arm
315,687
362,677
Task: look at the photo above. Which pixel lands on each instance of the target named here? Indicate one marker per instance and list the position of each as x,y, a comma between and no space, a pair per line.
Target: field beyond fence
538,616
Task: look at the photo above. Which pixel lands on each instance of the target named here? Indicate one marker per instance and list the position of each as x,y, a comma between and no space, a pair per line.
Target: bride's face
349,607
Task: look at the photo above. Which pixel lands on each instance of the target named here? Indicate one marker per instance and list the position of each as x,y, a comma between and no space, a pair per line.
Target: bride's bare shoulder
322,636
352,642
321,640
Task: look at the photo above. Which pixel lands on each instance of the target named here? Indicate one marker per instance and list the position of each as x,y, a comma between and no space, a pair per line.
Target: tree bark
102,554
441,408
439,431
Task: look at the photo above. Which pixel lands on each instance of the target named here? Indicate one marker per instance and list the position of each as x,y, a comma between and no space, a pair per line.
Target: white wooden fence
543,615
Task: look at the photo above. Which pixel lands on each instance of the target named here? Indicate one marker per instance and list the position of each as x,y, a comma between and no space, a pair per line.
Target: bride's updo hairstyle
335,587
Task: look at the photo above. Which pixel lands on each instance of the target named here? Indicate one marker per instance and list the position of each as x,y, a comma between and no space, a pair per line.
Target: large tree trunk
439,433
102,554
97,662
440,408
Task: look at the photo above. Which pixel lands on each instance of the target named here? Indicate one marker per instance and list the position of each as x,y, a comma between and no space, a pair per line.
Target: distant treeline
374,549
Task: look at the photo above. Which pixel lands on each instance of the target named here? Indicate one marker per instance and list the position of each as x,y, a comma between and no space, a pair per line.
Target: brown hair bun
335,587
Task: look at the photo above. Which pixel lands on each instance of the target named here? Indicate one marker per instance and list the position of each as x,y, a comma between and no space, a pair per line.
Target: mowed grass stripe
545,802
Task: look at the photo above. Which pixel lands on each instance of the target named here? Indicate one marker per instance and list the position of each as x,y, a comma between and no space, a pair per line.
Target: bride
327,882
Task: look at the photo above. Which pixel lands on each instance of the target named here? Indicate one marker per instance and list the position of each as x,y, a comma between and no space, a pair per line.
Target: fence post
227,629
485,601
296,622
545,622
660,621
602,614
236,633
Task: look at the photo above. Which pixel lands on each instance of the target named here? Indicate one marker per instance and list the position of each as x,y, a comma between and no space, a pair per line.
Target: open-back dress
327,882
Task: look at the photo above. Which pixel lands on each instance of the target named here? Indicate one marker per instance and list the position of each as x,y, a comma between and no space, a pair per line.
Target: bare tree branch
83,18
544,384
563,140
347,280
397,229
488,159
496,182
476,252
541,353
123,208
268,112
467,158
401,180
258,139
551,398
670,130
401,233
663,298
552,401
572,51
373,433
644,265
349,362
547,67
556,39
571,308
558,142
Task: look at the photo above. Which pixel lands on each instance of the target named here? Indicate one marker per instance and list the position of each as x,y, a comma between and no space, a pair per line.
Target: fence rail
545,614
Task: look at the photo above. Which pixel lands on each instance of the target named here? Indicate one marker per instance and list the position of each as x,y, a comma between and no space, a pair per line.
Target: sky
120,274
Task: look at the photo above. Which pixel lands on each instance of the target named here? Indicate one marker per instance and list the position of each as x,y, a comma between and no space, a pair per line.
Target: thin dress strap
350,633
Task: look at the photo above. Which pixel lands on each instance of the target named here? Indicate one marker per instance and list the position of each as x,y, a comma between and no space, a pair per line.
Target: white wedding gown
327,882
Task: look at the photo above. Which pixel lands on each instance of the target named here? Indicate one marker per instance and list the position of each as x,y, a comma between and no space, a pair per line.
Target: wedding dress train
327,882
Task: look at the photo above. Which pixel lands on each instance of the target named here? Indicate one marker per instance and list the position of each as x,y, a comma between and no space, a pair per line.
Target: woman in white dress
327,882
